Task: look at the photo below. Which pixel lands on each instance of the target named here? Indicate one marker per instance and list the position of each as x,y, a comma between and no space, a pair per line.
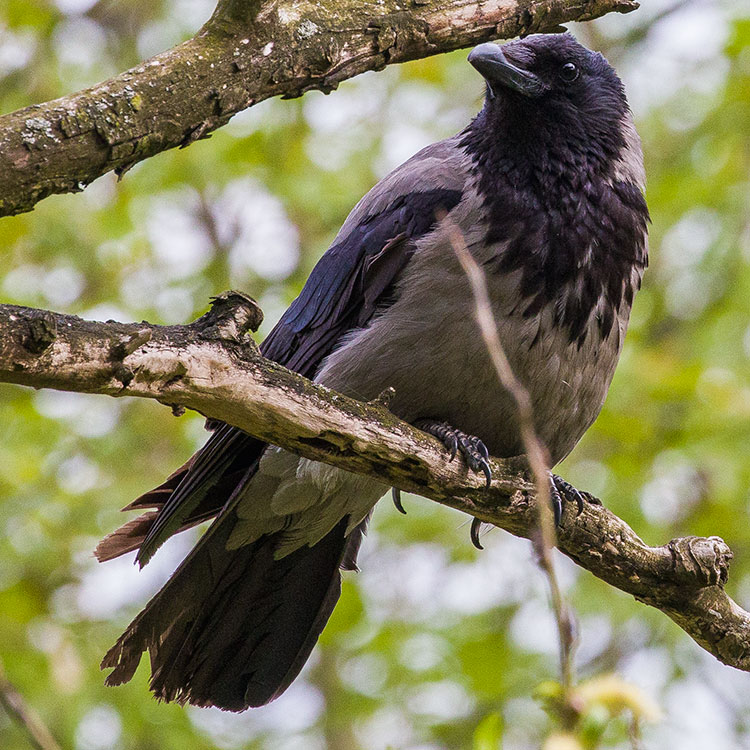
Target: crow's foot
471,448
561,492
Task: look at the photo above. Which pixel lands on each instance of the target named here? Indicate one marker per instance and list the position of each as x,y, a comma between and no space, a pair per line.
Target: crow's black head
550,90
560,171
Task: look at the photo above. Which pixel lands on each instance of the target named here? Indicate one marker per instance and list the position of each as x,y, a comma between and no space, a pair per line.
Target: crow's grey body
426,347
558,223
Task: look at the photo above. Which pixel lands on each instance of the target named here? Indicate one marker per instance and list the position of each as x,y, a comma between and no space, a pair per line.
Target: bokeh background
434,644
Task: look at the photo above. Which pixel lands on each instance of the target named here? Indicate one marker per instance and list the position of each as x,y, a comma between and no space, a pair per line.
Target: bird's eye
569,72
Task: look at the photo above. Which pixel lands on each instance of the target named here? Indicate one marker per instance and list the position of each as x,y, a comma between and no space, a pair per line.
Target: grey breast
428,348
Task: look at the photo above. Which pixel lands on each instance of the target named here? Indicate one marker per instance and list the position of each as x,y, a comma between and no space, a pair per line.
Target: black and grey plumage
546,185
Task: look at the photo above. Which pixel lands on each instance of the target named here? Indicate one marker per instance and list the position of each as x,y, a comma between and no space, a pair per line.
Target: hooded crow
546,186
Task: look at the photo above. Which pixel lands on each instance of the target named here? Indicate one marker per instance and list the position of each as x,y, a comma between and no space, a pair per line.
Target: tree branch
247,52
214,367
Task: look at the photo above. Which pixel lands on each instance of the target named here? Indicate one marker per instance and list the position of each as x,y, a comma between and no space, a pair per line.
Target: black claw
476,525
482,448
396,495
561,491
485,467
478,462
471,448
569,492
452,446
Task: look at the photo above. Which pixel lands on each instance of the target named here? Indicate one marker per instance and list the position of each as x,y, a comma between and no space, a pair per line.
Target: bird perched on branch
546,187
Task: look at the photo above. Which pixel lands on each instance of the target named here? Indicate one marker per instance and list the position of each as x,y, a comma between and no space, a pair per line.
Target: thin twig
536,451
16,707
634,734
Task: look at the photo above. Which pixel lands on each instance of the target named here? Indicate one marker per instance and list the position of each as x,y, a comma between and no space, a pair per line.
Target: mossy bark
213,366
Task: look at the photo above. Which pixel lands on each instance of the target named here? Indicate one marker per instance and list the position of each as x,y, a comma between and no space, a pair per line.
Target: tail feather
233,628
131,535
156,497
127,538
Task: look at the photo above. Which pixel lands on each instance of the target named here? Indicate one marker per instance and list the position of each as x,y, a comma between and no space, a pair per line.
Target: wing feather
352,281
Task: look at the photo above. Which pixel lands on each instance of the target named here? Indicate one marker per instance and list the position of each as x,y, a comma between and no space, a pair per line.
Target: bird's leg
562,491
473,450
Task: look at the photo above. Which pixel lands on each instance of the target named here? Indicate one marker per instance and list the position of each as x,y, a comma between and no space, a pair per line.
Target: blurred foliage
434,645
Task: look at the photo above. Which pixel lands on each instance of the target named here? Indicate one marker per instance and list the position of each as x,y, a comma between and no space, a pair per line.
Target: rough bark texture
213,366
247,52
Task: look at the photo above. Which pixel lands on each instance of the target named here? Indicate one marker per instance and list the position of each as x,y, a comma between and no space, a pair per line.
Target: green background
434,644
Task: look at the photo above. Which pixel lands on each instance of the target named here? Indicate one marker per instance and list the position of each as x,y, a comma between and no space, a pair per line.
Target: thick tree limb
213,366
247,52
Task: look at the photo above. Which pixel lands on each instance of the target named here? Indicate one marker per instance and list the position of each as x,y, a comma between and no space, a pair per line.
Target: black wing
354,278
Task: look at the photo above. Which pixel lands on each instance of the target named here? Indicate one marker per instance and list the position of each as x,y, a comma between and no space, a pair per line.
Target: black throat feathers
561,215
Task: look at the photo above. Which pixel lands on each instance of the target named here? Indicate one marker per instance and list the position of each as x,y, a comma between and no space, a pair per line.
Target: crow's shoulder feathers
356,275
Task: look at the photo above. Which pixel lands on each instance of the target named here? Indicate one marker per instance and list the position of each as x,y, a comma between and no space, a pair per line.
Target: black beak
490,60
